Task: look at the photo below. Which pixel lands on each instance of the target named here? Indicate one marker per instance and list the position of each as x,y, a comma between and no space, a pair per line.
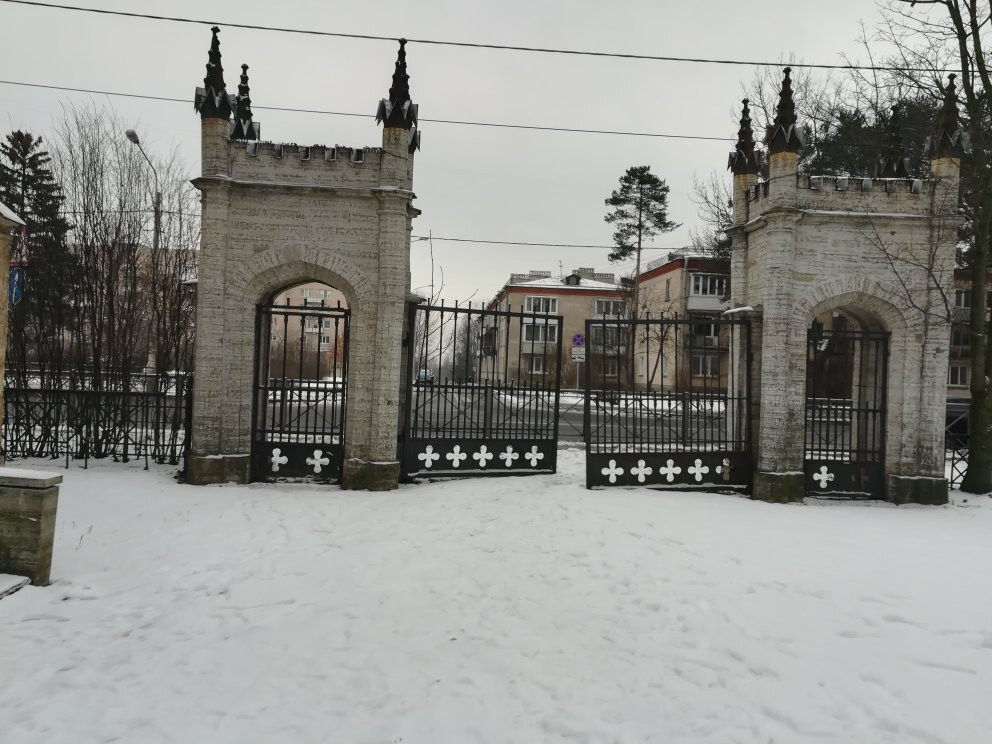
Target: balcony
706,303
707,342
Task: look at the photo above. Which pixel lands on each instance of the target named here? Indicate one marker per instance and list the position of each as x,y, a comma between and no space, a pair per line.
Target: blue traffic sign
578,340
15,286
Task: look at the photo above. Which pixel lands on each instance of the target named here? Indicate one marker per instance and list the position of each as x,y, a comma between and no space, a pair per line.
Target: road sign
578,354
578,340
15,286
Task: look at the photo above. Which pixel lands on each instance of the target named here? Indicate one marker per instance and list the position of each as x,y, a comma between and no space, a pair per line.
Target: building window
705,365
959,375
668,289
611,307
605,336
540,334
709,285
962,298
541,305
537,365
325,339
959,337
611,367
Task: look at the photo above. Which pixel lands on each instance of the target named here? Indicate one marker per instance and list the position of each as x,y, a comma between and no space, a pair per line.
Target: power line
540,245
469,44
458,122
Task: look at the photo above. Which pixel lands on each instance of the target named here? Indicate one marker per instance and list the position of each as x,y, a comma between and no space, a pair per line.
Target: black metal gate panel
482,396
300,392
666,406
846,373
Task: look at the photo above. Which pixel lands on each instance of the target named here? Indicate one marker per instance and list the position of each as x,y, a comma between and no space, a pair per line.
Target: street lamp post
150,364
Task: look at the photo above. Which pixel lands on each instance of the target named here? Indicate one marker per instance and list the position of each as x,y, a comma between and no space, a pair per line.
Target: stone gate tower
275,215
872,254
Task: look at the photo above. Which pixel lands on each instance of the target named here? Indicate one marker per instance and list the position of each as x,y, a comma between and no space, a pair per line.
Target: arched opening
301,383
845,411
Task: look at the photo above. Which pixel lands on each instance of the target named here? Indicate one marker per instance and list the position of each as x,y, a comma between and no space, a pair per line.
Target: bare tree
928,37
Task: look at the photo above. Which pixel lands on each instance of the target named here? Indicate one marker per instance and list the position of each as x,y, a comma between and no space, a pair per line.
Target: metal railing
124,417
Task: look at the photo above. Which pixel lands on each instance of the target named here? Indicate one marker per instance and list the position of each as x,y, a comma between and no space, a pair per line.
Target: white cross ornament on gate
698,470
533,456
483,456
823,477
456,456
613,471
641,471
509,456
277,459
670,470
428,456
317,460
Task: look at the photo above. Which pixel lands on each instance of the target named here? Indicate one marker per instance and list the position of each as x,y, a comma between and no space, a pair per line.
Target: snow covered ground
507,610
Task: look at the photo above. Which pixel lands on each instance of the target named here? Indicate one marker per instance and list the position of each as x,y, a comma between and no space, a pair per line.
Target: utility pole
151,366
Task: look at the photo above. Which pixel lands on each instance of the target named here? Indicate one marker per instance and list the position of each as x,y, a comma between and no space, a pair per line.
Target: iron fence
666,404
482,393
134,416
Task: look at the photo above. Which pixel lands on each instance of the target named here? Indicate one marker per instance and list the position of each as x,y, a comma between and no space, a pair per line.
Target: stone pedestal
28,503
359,475
204,470
779,488
902,489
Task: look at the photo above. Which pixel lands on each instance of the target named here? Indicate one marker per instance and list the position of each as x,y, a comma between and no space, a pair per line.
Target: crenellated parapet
315,165
852,194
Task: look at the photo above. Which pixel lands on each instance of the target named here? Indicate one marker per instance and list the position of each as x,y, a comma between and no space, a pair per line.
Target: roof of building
8,214
548,282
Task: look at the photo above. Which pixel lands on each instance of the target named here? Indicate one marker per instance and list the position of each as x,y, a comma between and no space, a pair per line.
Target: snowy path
511,610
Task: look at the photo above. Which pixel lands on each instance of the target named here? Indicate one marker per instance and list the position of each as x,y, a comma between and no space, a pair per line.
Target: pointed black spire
784,135
948,139
243,128
212,100
398,110
742,160
399,92
894,164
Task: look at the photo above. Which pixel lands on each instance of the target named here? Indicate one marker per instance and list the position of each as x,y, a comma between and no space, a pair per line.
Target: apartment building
307,345
523,349
694,355
959,361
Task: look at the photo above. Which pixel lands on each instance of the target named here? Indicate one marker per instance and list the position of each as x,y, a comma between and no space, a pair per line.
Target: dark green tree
38,325
640,212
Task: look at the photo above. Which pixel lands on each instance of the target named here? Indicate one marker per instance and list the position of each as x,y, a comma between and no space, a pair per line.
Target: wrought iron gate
301,384
482,394
846,374
665,404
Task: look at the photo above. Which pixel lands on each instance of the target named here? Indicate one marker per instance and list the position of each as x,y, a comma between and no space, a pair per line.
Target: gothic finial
948,139
784,135
243,128
212,100
398,110
742,159
399,92
894,163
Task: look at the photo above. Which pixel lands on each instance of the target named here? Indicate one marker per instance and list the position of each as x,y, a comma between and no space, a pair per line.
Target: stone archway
274,215
845,421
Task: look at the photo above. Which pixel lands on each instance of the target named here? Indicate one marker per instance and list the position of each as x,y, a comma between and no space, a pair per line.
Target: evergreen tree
640,212
37,325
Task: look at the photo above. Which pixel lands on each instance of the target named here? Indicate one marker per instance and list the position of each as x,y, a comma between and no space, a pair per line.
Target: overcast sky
471,182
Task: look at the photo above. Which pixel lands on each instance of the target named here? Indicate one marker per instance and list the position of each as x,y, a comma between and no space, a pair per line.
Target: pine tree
640,213
37,325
